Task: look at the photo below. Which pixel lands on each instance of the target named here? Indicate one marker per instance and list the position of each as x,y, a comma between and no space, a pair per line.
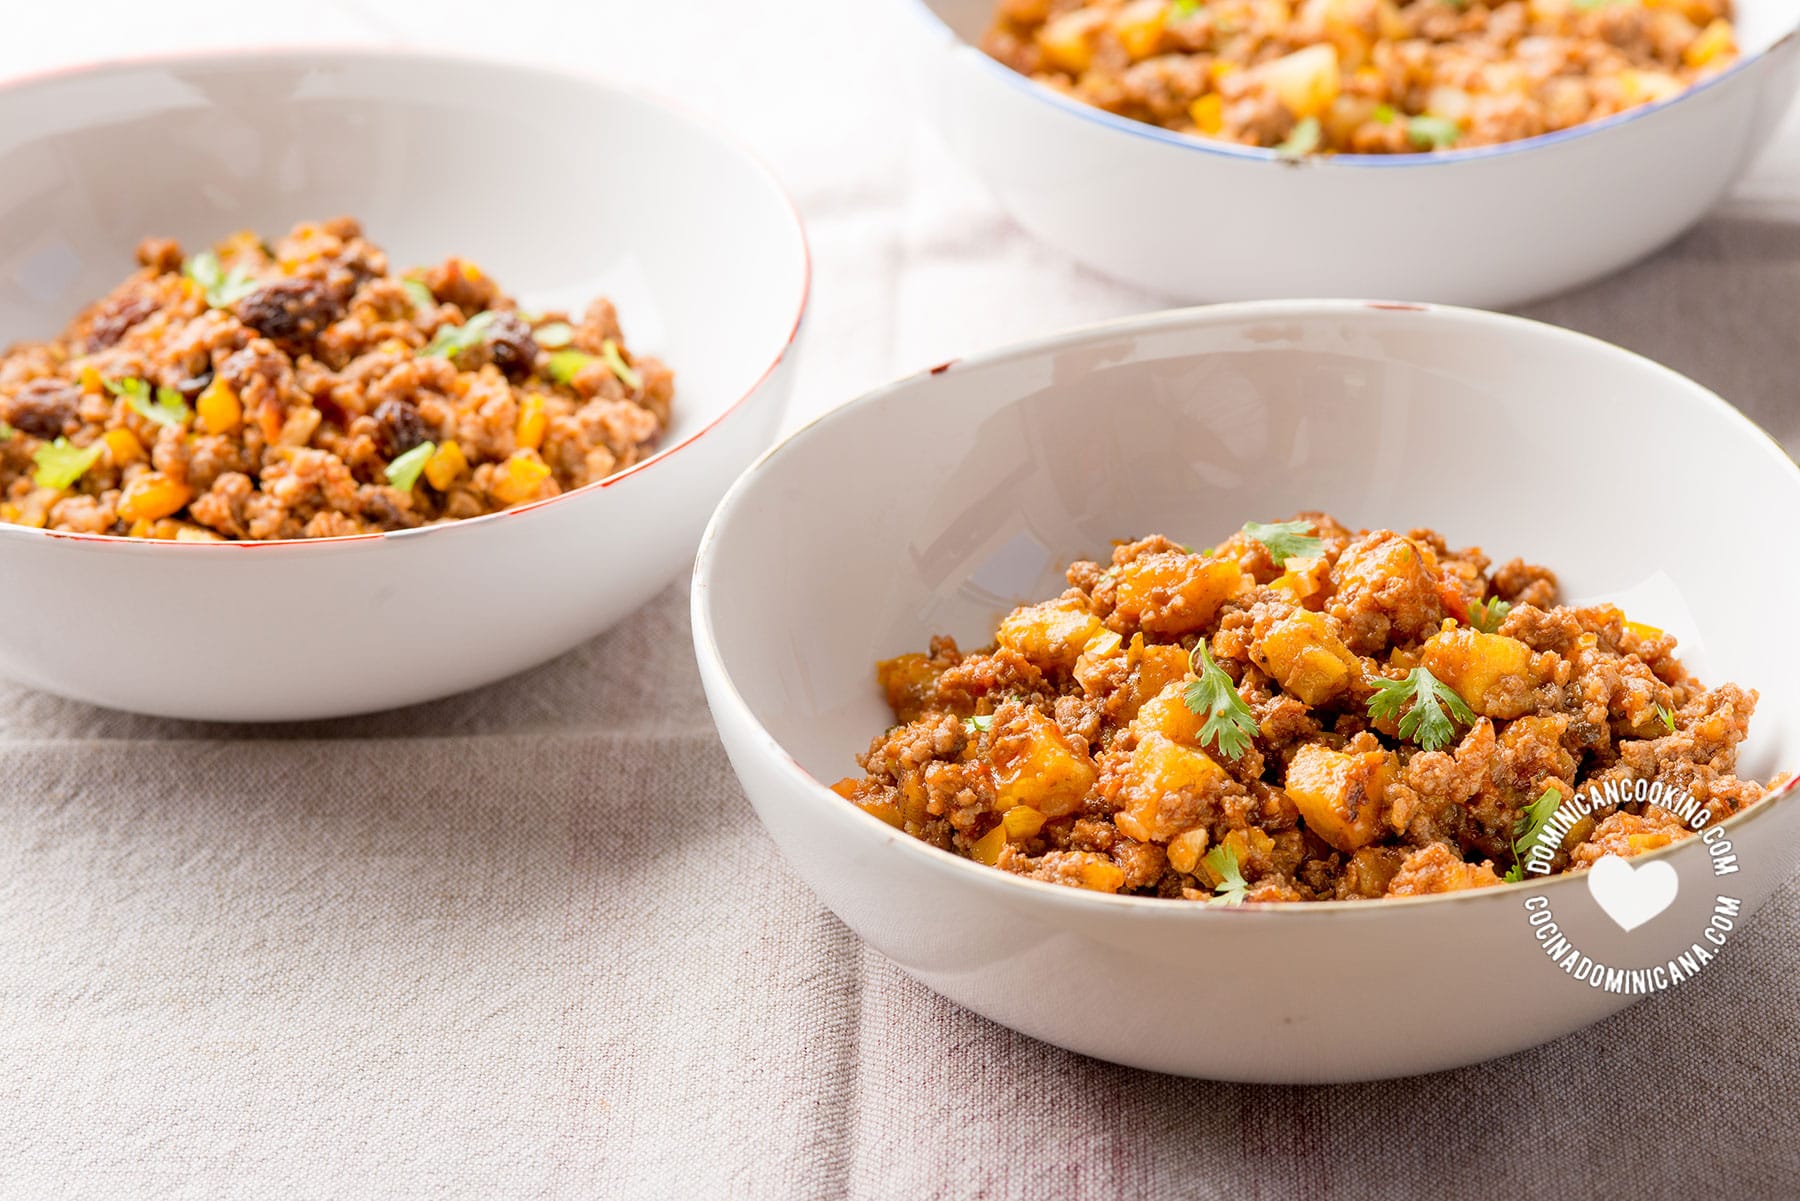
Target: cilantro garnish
420,295
553,336
59,464
452,340
6,431
981,723
1487,615
169,407
1432,133
1223,863
1423,698
404,471
1668,717
222,288
565,365
1384,113
1302,140
1284,539
1229,722
1529,828
1181,10
609,350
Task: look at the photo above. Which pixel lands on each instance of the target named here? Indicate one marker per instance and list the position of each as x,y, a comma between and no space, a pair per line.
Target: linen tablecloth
531,941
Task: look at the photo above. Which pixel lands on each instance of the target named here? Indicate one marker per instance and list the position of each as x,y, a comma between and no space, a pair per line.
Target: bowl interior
1760,23
938,504
562,188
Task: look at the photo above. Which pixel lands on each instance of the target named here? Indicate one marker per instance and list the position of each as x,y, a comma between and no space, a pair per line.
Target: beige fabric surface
532,942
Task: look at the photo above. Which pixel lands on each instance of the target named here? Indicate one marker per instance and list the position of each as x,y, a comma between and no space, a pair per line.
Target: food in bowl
301,389
1365,76
1301,713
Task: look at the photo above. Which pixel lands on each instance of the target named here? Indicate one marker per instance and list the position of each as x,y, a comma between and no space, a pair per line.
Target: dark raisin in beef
510,343
290,312
118,317
44,408
397,427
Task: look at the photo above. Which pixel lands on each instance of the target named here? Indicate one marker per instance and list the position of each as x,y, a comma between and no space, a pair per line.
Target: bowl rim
969,873
324,54
1216,148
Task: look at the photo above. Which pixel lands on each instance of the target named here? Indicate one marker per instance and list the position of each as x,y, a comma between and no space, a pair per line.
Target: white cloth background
532,942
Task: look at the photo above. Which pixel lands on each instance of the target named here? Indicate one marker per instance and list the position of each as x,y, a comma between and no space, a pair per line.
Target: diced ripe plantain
1052,634
1036,765
1161,783
1306,658
1173,593
1167,714
1492,672
1186,848
1339,794
1095,661
1156,668
909,683
1250,847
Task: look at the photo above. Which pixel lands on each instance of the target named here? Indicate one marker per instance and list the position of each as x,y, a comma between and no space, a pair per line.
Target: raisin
289,312
398,427
512,347
115,319
44,408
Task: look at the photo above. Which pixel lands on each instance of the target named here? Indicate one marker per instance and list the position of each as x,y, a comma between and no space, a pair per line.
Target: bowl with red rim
693,239
937,504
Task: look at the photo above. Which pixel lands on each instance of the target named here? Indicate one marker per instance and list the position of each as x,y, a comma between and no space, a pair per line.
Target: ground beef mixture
300,390
1301,713
1365,76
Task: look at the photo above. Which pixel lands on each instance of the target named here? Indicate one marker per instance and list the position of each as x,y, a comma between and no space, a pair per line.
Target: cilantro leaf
420,295
609,350
1222,861
1285,539
452,340
59,464
169,408
553,336
1668,717
404,471
1229,723
222,288
1529,828
1487,615
1432,133
1419,701
1302,140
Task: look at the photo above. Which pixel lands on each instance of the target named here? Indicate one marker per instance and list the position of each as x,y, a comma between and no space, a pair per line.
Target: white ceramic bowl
573,189
1204,220
938,503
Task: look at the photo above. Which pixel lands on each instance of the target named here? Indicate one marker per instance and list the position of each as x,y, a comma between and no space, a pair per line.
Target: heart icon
1631,896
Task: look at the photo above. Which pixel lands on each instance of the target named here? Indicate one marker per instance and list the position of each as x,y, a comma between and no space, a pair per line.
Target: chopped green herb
554,336
404,471
1223,863
1668,717
59,464
980,723
1487,615
169,408
1432,133
609,350
419,294
6,431
565,365
1385,114
1285,539
1181,10
1302,140
1530,826
1229,722
452,340
1422,697
222,288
